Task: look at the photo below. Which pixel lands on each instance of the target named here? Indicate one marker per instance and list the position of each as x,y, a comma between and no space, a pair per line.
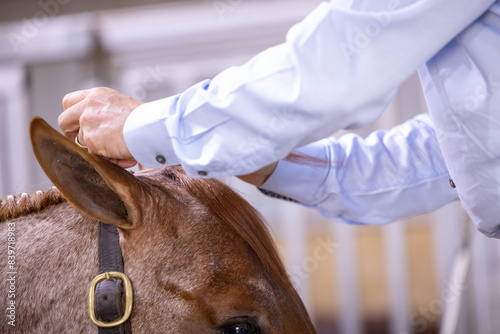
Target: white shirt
338,69
462,88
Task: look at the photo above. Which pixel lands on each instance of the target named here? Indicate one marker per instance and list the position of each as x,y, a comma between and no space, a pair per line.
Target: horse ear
95,186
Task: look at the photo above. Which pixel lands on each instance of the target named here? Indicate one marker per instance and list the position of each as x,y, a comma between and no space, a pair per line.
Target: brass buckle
129,298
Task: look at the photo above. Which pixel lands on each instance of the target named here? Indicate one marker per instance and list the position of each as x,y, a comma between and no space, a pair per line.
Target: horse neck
55,259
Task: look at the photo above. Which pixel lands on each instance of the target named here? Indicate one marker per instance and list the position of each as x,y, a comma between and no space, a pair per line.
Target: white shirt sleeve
380,179
462,87
338,69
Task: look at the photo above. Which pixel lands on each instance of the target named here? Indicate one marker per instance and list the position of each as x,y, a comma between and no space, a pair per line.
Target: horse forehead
207,305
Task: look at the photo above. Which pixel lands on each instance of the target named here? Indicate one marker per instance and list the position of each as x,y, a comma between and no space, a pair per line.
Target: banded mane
12,207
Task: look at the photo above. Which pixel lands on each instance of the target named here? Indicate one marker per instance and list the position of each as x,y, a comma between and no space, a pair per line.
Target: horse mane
245,220
12,207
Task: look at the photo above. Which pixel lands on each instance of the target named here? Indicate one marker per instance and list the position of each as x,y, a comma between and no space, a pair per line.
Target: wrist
259,177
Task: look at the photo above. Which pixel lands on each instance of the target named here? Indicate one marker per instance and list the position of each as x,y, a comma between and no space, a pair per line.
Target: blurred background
428,274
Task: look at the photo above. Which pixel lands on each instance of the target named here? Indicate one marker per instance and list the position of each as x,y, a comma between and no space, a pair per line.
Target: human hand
259,177
97,117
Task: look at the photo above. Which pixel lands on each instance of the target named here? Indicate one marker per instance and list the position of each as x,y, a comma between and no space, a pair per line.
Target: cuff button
452,184
161,159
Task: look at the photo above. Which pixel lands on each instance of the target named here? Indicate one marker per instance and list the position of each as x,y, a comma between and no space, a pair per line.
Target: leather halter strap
109,294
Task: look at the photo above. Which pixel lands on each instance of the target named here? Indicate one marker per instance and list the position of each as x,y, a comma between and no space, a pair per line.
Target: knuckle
85,118
102,90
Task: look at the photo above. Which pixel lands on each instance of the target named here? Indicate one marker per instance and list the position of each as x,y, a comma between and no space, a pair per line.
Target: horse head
200,258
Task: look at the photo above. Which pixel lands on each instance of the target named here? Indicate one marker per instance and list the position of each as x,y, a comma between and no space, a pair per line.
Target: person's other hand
259,177
97,116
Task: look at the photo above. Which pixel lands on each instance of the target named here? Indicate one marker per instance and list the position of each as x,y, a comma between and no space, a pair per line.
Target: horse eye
240,328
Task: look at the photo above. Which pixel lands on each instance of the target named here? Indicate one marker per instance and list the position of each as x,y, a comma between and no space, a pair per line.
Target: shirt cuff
146,134
301,181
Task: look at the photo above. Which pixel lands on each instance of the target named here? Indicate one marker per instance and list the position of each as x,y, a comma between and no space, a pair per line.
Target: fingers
124,163
95,117
73,98
69,120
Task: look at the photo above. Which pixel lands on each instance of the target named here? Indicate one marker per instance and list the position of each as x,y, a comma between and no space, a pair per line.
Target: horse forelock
12,207
245,221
